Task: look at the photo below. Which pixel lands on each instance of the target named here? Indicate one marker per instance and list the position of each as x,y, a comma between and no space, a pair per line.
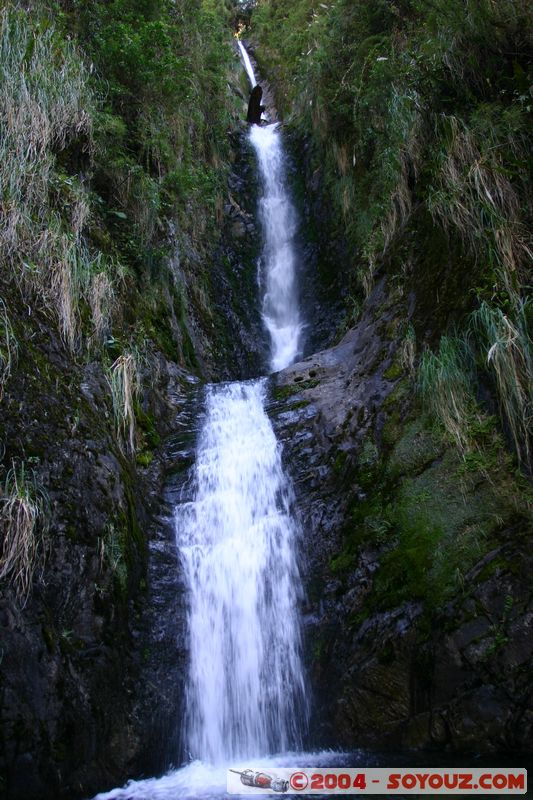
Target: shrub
23,521
413,104
507,348
445,384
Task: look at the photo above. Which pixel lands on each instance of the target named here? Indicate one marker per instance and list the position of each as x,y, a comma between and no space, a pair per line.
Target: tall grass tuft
8,347
445,385
401,159
508,351
408,350
125,383
45,103
101,300
474,197
23,521
111,547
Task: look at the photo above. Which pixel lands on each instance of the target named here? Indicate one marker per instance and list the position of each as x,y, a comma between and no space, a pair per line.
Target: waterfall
247,64
237,542
277,269
278,261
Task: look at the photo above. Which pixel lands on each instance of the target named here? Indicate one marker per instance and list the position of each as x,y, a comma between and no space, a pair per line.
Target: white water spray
245,695
247,64
237,542
278,262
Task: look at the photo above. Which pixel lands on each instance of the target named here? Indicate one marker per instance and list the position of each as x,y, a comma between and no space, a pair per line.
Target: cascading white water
245,695
247,64
281,314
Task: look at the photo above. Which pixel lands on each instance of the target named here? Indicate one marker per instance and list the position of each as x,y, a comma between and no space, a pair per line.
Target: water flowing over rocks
234,530
245,687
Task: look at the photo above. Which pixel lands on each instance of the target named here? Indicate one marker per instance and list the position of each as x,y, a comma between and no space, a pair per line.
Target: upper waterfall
278,263
277,269
247,64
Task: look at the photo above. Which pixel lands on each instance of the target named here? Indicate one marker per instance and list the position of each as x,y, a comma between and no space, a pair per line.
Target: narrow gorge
265,391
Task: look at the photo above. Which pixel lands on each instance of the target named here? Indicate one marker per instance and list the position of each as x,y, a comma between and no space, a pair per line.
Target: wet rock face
322,409
255,109
74,677
461,687
235,278
394,661
325,263
161,632
63,654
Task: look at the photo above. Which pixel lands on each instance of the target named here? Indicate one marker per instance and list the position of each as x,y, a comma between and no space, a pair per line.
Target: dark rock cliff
72,657
419,605
91,666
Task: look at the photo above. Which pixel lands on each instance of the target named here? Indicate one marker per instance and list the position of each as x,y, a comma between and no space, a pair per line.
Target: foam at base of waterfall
201,781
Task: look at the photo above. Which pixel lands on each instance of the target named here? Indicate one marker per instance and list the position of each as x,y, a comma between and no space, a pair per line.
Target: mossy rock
400,392
147,423
288,390
392,429
416,448
344,562
446,500
144,459
394,372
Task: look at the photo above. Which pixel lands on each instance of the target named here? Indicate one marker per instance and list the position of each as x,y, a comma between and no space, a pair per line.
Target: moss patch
417,447
288,390
394,372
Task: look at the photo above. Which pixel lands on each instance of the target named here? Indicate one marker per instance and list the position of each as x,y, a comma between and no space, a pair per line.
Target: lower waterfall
237,540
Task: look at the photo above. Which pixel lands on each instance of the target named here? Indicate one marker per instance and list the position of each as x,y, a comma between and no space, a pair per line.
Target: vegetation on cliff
415,121
421,115
115,157
115,154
